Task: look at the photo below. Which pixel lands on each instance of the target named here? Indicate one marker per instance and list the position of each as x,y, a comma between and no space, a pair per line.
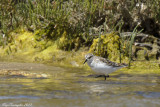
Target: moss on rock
107,46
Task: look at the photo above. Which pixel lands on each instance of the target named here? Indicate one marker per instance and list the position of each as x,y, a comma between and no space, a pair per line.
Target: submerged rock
20,73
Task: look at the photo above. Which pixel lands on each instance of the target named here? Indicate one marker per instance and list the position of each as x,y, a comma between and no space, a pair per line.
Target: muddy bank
27,70
27,66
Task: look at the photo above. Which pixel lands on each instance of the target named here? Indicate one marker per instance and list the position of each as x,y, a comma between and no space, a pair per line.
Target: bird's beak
85,61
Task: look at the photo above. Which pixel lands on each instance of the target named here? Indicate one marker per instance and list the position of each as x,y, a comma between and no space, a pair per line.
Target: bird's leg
106,76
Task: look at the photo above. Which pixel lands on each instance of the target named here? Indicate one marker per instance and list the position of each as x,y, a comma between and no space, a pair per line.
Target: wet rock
20,73
147,43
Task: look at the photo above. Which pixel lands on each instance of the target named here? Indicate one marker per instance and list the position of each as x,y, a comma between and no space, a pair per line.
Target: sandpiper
101,65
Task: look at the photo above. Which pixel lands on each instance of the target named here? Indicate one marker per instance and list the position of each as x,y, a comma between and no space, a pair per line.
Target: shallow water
70,87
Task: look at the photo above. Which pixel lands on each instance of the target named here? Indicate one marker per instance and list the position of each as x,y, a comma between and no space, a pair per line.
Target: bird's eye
89,57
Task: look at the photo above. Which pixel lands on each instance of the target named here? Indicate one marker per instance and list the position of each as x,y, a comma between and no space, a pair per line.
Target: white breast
102,68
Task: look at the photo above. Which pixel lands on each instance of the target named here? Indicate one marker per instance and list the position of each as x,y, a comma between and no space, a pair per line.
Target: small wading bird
101,65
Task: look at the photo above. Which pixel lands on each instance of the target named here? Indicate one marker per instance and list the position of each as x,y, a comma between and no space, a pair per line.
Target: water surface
70,87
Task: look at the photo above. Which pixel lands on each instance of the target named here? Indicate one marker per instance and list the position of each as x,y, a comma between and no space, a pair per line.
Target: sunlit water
66,87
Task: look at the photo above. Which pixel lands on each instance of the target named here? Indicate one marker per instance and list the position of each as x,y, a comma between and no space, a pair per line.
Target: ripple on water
18,97
148,94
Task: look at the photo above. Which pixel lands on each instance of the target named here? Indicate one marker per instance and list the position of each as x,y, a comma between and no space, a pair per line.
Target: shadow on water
75,87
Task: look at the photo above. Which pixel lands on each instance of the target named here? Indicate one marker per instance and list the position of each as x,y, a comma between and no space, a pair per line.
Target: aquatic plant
134,33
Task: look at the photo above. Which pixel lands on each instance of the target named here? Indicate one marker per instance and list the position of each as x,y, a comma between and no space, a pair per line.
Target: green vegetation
78,18
53,18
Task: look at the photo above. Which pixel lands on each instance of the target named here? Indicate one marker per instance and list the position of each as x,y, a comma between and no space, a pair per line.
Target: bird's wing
110,63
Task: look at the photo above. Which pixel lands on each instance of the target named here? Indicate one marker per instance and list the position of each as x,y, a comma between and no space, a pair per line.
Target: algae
26,46
107,46
65,39
144,67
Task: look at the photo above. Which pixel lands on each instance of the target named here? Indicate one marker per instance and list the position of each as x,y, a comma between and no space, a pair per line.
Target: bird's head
87,57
